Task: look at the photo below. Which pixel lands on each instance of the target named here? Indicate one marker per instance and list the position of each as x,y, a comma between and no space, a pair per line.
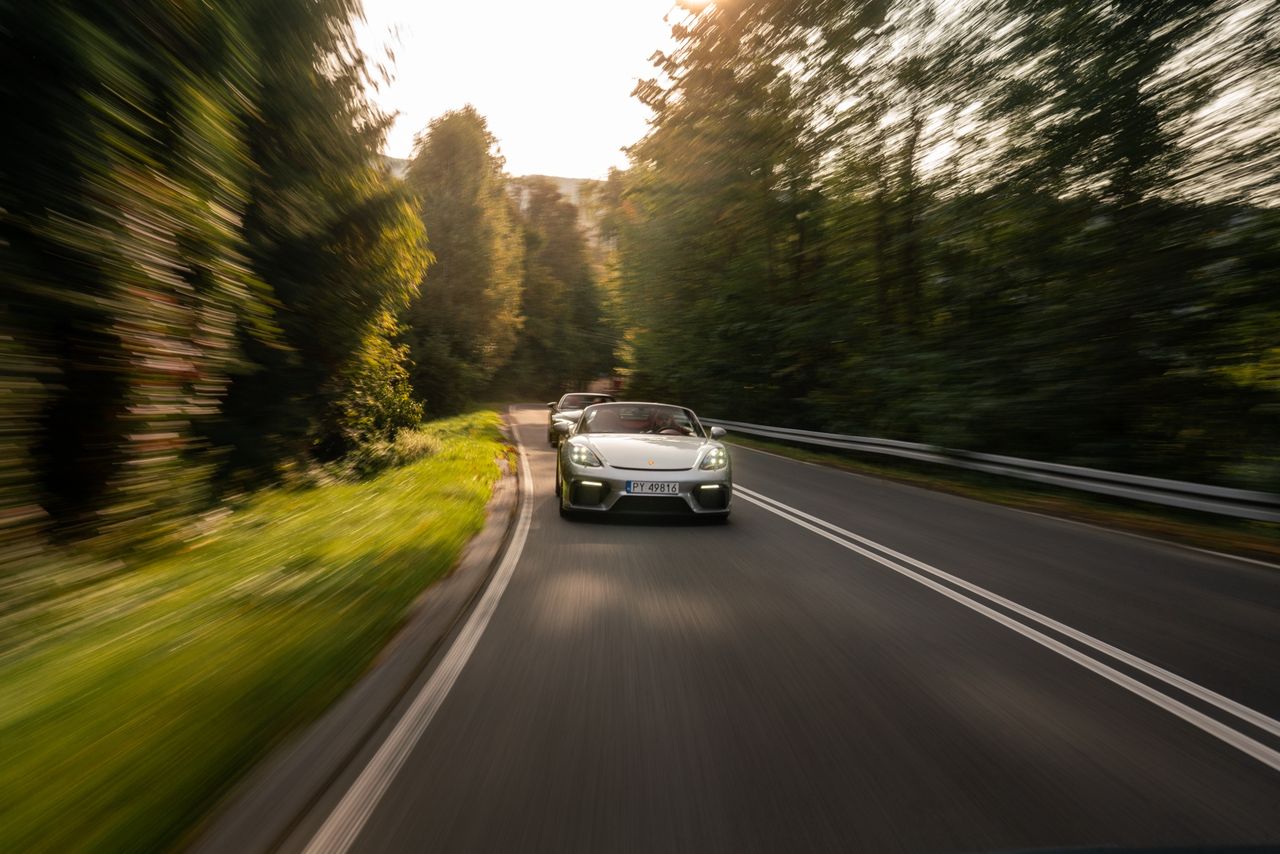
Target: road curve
849,664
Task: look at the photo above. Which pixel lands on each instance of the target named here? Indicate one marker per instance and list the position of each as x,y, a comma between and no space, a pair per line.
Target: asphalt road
1004,681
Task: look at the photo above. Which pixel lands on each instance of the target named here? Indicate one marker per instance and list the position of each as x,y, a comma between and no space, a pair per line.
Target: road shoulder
259,813
1251,542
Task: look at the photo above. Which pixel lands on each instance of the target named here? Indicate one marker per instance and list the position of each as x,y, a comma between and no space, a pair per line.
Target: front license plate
649,487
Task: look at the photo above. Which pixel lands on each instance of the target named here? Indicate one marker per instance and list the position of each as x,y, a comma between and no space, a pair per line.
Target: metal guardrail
1225,501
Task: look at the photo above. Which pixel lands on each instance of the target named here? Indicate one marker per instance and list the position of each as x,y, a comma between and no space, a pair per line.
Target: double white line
980,599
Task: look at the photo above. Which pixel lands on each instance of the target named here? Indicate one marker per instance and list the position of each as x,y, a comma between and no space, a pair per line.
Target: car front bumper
603,489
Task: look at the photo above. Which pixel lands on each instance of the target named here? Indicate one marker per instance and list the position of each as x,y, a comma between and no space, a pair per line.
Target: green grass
1251,539
129,705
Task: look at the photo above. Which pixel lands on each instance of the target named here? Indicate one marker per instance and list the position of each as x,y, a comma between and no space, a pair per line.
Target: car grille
652,504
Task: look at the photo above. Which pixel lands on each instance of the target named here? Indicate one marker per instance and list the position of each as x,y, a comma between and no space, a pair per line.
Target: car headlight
581,455
715,459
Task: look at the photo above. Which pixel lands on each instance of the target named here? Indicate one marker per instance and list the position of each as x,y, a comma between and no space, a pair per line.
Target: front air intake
588,492
712,496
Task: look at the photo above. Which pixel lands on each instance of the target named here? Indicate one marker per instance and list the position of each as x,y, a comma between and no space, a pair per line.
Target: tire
565,512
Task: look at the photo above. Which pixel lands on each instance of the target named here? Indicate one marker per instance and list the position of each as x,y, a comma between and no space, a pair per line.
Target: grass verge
1259,540
129,706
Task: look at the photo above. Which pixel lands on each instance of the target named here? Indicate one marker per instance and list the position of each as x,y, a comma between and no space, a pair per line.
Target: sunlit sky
554,79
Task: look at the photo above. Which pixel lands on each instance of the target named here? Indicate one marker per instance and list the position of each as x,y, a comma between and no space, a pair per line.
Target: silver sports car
642,458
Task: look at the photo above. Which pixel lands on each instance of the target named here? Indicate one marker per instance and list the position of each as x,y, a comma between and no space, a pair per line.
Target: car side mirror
562,427
718,432
551,405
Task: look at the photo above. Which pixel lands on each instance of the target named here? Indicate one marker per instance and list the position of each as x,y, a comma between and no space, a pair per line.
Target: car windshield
579,401
654,418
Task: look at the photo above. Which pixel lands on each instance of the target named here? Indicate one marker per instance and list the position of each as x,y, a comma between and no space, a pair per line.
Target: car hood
650,453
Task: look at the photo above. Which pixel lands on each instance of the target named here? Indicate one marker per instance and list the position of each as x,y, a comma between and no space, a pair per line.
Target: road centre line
344,824
850,541
1227,705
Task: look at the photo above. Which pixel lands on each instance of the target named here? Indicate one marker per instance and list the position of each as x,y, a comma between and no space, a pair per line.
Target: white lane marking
343,825
1238,740
1169,544
1213,698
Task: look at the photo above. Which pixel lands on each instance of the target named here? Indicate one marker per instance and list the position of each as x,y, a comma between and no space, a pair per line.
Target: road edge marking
1247,745
348,818
1066,520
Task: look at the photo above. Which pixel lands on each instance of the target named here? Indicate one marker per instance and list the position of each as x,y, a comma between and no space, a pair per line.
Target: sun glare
554,81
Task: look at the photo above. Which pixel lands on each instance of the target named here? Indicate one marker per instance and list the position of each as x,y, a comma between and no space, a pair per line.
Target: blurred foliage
462,328
409,445
338,241
201,254
130,707
1048,228
565,341
125,175
378,398
212,282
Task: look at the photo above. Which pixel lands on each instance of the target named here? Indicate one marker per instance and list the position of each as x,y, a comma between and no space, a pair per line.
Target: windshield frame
562,404
583,426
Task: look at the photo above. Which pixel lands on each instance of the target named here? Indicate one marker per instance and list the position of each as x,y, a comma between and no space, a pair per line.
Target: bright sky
554,79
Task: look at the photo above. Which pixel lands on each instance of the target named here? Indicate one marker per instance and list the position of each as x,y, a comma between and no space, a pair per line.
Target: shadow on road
644,521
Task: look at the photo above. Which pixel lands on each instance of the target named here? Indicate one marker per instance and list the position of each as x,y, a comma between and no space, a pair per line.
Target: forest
1044,228
213,283
255,447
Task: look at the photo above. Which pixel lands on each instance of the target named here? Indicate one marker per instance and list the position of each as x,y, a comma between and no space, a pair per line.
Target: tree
199,249
565,341
463,325
717,237
1037,227
331,234
125,270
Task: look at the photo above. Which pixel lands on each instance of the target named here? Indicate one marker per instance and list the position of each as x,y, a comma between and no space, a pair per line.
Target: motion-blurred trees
565,340
125,177
336,240
1037,226
200,256
463,325
719,250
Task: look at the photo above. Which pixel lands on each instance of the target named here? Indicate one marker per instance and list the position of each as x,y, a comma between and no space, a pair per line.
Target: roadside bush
376,399
373,457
